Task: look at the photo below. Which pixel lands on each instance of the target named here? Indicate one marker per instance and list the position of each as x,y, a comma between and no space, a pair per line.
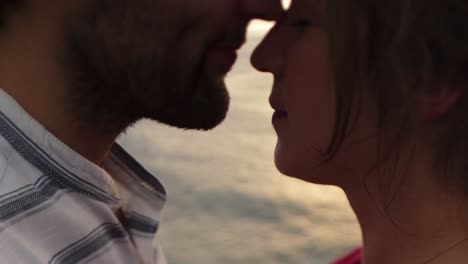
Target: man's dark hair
6,6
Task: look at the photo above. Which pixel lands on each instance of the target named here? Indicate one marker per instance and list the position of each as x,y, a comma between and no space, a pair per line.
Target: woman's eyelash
302,22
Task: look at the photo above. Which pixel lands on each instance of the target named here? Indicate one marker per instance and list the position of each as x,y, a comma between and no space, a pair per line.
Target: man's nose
262,9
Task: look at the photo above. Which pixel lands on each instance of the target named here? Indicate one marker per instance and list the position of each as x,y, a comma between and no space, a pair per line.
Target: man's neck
49,111
30,73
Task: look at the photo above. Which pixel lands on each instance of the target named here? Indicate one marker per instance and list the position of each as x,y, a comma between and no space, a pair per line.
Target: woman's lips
280,112
279,115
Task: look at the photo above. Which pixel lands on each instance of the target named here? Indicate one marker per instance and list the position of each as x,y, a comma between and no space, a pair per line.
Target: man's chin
194,122
195,115
203,106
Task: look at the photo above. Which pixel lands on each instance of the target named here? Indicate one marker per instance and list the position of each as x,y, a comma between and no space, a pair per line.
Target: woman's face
296,52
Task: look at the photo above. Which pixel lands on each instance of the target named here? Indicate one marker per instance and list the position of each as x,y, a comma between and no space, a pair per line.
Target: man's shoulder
41,222
15,172
5,152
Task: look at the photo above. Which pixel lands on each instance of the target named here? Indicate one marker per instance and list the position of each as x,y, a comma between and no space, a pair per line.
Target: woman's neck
414,221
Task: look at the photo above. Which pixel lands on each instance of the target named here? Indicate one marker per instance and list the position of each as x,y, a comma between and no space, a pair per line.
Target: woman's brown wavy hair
396,51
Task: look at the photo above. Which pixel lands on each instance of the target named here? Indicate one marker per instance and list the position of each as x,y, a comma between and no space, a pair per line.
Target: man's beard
120,72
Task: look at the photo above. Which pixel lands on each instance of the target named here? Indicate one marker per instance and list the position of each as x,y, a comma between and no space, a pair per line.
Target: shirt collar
73,162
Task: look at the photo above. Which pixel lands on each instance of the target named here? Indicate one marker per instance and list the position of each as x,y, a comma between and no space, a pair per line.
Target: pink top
354,257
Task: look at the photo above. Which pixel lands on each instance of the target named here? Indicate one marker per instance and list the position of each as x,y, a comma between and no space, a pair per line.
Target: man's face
160,59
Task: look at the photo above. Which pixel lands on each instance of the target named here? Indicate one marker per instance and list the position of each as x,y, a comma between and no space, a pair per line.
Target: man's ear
435,104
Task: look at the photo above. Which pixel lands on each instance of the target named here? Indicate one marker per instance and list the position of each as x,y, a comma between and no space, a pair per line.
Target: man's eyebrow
308,7
271,9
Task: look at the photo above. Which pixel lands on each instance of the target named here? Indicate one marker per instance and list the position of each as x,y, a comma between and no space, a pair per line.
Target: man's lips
224,50
227,46
232,40
223,56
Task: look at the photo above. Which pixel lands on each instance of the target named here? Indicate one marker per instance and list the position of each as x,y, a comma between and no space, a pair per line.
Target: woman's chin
298,163
318,174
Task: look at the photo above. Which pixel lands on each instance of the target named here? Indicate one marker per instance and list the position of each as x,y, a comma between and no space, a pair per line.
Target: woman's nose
268,55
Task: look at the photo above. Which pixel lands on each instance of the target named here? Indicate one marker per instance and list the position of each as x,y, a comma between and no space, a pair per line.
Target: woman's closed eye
299,23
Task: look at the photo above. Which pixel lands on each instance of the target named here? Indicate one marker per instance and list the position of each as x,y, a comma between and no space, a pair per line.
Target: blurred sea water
227,202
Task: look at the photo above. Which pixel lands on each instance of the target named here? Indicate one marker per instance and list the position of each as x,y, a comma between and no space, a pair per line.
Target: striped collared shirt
58,207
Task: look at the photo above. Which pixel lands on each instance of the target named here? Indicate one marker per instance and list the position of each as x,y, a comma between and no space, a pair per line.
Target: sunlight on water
260,26
227,202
